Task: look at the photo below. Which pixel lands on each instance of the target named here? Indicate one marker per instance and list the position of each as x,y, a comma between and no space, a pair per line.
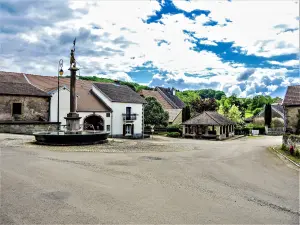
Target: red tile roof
86,101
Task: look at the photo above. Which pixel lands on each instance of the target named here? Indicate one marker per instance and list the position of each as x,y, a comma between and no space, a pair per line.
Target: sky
241,47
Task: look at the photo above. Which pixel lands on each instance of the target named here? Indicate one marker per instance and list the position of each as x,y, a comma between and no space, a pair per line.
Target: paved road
237,182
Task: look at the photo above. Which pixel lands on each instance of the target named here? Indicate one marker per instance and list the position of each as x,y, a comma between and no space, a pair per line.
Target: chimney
173,91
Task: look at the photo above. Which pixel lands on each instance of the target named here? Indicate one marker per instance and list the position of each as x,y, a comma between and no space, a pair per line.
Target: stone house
169,101
21,101
291,104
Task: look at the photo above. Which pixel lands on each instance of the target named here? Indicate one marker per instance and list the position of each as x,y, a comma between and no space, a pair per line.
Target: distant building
291,104
277,111
109,107
169,101
208,124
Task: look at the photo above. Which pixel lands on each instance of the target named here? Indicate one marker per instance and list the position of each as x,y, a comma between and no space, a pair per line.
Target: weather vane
72,58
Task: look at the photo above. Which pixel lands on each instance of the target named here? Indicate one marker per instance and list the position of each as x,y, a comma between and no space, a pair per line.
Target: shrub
277,122
173,134
174,128
297,154
284,147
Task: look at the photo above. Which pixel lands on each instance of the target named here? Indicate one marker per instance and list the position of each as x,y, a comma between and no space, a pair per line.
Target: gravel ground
159,180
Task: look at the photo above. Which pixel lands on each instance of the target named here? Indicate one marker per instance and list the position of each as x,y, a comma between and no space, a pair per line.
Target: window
128,110
17,108
107,127
107,114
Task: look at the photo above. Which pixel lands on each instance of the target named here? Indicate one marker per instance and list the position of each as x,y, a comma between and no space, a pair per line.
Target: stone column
73,119
218,130
73,90
183,130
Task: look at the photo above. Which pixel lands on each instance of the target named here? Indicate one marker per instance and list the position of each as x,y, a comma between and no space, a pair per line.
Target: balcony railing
129,116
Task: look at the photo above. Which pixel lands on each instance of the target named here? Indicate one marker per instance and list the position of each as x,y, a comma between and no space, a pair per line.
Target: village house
169,101
109,107
208,124
291,104
23,107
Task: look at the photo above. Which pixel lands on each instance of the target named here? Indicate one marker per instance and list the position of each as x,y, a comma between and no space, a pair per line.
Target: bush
284,147
297,154
277,122
173,134
174,128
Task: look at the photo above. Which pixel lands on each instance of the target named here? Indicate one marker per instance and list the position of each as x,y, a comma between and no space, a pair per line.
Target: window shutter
124,129
132,129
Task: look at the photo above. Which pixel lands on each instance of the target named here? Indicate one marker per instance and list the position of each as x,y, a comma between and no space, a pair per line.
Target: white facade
119,108
113,122
106,120
64,105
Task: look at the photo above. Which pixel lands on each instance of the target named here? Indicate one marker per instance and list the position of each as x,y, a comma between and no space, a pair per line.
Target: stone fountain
73,134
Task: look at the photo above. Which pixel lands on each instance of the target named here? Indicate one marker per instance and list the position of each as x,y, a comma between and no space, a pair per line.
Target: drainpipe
111,124
143,121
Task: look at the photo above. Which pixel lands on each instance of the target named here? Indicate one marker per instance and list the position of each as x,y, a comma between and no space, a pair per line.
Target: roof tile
292,96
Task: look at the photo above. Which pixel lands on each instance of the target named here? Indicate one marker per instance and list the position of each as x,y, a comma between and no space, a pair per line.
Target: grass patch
248,114
162,133
286,153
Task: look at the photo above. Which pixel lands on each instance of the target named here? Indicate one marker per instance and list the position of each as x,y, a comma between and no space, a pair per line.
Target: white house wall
119,109
107,120
64,106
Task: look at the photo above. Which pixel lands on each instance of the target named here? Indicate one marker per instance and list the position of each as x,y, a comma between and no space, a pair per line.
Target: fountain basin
61,138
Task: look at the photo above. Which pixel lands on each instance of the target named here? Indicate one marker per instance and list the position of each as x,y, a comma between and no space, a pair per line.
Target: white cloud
207,42
117,76
123,42
286,63
252,24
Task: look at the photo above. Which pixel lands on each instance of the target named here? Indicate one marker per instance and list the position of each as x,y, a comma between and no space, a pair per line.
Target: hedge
173,134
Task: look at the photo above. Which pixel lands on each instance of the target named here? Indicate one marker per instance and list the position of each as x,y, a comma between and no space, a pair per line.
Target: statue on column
72,58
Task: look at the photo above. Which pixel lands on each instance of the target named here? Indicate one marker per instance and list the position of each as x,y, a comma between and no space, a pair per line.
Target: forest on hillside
208,99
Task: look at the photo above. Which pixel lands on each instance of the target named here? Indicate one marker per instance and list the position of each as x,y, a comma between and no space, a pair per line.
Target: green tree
268,115
234,114
257,111
154,113
186,113
201,105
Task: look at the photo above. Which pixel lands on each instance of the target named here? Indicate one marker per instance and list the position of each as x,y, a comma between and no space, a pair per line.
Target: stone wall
33,108
21,127
291,116
289,140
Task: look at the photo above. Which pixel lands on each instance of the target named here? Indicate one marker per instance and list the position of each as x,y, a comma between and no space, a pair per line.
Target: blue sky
241,47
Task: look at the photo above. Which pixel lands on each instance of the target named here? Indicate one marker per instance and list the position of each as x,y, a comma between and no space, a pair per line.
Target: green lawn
287,154
248,114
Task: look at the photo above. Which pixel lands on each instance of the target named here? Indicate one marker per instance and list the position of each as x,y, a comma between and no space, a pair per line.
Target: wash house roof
209,118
